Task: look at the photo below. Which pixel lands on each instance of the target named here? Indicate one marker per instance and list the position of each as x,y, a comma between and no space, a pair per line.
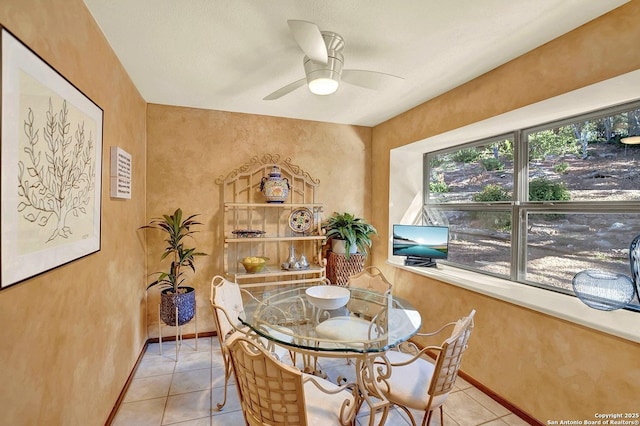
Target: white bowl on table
328,297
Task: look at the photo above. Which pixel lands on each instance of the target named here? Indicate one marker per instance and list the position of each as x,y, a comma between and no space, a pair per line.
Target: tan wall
188,149
70,337
552,369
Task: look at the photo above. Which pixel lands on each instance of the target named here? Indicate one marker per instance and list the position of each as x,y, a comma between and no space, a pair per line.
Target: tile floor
164,392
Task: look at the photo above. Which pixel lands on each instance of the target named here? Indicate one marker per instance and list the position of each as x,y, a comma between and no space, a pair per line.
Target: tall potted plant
174,294
353,233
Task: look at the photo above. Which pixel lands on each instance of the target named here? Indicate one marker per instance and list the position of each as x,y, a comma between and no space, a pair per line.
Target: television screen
421,241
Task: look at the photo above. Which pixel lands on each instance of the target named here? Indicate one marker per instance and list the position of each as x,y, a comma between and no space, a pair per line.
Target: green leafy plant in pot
354,232
182,258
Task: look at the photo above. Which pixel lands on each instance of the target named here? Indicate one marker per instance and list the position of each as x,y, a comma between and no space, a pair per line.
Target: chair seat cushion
284,336
409,384
324,408
346,328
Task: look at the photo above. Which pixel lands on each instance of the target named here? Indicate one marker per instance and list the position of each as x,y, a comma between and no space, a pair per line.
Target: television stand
426,262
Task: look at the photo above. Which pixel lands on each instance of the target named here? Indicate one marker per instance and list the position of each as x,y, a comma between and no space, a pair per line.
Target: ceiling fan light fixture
323,85
324,79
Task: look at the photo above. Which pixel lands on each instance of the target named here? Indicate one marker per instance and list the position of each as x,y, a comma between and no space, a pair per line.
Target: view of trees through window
539,205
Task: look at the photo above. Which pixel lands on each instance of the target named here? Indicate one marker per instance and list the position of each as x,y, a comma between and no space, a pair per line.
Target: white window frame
405,184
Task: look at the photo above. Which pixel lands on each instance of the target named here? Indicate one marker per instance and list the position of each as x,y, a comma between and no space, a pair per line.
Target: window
538,205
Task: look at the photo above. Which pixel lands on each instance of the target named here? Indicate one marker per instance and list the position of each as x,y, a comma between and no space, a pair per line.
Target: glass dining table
363,329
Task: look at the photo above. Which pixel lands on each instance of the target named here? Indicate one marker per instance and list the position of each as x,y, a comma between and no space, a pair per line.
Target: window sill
621,323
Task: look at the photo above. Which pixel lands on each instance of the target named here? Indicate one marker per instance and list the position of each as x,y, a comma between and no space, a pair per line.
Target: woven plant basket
339,268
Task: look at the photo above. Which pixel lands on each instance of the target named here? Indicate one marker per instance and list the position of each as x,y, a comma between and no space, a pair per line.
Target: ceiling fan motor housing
332,70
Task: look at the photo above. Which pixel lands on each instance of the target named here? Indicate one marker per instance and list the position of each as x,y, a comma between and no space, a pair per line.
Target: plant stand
178,332
339,268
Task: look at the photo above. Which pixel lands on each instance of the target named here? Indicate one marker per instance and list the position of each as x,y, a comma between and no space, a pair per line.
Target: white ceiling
228,54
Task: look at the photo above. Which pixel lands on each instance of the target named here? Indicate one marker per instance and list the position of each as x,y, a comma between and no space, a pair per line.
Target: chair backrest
271,393
448,361
226,300
634,263
370,278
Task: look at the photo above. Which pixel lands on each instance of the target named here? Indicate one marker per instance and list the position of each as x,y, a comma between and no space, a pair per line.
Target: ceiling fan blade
369,79
285,90
309,38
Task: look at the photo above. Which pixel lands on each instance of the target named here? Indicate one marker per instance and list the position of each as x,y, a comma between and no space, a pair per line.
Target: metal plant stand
178,331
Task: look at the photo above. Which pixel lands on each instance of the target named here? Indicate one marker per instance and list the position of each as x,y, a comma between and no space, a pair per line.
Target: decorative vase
275,188
292,256
185,302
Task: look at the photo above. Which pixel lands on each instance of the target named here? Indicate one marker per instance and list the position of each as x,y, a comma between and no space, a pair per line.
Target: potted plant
174,294
348,233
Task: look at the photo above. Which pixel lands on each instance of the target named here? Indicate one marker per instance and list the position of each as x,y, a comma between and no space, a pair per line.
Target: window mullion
519,218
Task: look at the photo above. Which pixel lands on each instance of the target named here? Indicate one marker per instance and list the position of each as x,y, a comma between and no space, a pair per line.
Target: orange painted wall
70,337
550,368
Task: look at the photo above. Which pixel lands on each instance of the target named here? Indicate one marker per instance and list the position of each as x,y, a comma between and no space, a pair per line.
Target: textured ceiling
229,54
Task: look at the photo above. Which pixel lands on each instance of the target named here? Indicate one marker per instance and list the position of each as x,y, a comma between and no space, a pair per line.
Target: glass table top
368,321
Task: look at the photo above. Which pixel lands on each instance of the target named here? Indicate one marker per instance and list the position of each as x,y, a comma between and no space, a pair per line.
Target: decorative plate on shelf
247,233
301,220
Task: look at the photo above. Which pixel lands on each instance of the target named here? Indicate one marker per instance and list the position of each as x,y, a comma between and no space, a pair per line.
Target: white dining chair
370,278
418,383
366,318
273,393
227,305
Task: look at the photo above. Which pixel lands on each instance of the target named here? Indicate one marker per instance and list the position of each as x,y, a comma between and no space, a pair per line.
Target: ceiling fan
323,63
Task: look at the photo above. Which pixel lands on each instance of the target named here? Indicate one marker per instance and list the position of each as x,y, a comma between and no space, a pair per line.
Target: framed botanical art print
51,162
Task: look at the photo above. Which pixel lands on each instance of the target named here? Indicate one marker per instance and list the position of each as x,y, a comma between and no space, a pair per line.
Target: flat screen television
421,245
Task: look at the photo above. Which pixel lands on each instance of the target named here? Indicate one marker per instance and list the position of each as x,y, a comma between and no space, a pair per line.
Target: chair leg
227,376
406,410
427,418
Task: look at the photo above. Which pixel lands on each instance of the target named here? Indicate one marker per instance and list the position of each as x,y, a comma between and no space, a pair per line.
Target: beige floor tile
148,387
140,413
393,418
489,403
187,406
168,349
217,377
204,344
205,421
232,418
466,411
155,366
233,401
216,358
193,361
496,422
435,418
190,381
513,420
462,383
